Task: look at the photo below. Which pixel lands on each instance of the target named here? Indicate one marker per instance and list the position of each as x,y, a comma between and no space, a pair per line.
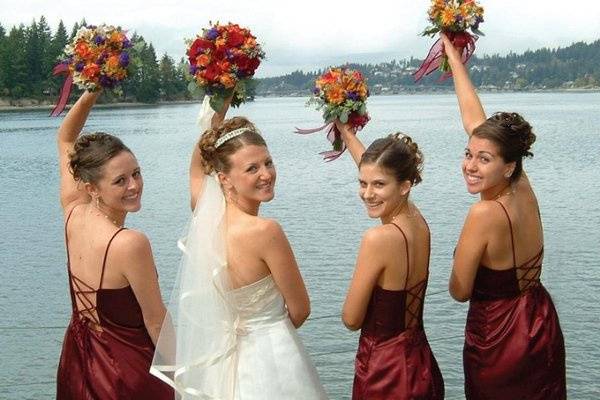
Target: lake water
318,206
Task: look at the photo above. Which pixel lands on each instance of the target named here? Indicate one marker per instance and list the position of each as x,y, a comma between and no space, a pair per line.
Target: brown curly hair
398,154
512,134
91,152
217,159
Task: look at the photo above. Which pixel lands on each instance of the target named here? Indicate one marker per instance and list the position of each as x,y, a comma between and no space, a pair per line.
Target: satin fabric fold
65,90
436,56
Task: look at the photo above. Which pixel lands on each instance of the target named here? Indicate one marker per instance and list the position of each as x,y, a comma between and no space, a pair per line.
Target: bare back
397,275
520,223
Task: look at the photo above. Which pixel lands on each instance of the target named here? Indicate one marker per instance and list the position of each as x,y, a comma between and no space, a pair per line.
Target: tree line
28,54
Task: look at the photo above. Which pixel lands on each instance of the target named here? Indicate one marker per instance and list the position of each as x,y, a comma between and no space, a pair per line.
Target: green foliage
575,66
28,55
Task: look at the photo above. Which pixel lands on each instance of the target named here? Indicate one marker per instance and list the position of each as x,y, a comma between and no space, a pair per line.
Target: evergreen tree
3,89
14,64
57,45
168,79
149,88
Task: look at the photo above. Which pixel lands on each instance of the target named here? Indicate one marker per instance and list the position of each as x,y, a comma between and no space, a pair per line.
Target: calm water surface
318,206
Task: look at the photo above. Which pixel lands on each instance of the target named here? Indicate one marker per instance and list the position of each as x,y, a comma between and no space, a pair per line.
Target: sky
313,34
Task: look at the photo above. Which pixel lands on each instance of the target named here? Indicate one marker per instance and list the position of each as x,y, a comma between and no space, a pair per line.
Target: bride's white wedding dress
272,363
223,343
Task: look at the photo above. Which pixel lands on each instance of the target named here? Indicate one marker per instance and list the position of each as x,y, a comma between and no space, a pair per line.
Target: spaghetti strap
106,254
512,239
67,236
407,257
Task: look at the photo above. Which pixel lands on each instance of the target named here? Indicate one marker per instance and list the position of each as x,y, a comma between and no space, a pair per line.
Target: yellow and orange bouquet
342,94
222,62
97,58
454,18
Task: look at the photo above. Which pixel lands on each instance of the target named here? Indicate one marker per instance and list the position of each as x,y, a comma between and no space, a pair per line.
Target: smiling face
251,178
120,187
382,194
484,169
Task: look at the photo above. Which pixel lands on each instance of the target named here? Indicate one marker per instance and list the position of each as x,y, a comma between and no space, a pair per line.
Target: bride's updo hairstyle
216,158
397,154
91,152
513,136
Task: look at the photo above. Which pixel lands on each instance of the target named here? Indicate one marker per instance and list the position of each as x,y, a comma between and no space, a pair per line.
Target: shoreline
29,104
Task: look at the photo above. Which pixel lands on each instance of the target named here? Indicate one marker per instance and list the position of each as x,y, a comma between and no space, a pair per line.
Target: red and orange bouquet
342,94
97,58
222,62
454,18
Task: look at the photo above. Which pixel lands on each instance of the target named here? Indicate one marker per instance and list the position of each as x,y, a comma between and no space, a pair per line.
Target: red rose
197,47
219,53
235,38
211,73
242,61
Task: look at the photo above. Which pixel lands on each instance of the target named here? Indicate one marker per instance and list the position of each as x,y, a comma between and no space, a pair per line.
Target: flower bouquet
222,62
454,18
97,58
342,94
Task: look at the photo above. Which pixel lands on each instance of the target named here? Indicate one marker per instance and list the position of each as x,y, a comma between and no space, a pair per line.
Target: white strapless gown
272,361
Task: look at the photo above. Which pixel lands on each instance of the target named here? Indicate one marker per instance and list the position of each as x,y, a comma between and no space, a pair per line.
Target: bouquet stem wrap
436,58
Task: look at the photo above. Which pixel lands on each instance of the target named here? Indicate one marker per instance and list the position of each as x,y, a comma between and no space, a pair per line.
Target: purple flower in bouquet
99,40
353,96
193,69
212,34
107,82
124,59
126,43
79,66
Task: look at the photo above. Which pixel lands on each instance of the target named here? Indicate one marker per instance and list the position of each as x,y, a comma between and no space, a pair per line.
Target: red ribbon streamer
464,41
65,90
334,136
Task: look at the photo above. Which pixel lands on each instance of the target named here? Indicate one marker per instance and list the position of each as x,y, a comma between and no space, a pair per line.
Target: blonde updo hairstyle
398,154
217,159
513,136
91,152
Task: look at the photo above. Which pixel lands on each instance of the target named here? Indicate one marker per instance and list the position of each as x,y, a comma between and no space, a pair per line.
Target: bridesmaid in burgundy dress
117,305
514,347
385,298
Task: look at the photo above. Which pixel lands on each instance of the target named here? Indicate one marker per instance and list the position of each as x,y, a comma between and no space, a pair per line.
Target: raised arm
355,146
196,171
471,110
68,132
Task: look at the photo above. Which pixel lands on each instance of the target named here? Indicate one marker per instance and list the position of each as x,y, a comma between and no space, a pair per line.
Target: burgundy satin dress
514,347
106,351
394,360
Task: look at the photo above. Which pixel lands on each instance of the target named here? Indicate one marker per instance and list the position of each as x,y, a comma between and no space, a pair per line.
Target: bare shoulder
380,237
264,229
486,213
130,243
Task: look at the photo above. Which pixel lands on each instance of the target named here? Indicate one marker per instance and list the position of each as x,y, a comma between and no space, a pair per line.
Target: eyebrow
480,152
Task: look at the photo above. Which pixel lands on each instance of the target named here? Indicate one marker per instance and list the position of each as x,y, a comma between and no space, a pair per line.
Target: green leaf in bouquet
363,109
217,102
344,116
430,31
196,91
477,32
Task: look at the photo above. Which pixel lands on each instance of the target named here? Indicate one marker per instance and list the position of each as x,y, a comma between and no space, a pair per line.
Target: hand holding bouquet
222,62
96,59
342,94
453,18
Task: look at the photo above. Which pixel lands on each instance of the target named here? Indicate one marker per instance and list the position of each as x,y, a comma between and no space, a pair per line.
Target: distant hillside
574,67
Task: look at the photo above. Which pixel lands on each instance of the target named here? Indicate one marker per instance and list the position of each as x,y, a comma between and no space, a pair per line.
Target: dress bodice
259,303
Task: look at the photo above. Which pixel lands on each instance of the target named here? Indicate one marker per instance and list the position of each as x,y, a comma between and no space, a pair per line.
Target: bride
239,297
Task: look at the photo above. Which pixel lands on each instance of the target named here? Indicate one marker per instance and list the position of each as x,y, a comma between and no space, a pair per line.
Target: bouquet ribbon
436,56
333,135
65,90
